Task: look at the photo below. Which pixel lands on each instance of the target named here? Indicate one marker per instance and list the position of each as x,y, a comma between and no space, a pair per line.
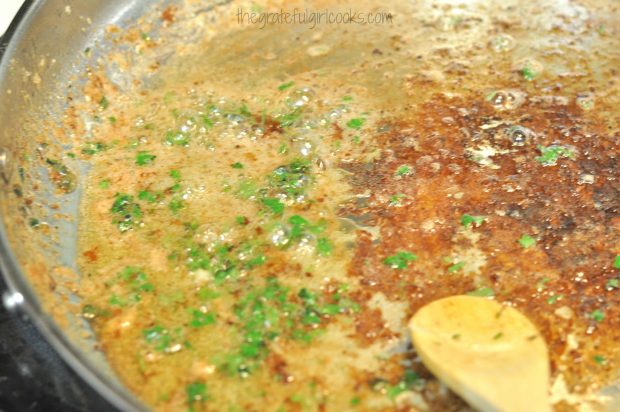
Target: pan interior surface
263,205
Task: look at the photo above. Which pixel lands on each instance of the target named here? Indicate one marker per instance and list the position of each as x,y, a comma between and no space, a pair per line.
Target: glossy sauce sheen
267,208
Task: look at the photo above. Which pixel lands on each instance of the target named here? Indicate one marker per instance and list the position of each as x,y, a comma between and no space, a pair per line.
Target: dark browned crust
577,225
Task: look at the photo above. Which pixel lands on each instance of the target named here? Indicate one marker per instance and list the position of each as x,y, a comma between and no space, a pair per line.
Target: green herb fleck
612,284
552,299
237,165
526,241
274,205
126,212
208,294
400,260
92,148
158,336
617,262
467,220
484,292
528,73
176,204
597,315
599,359
550,155
395,200
148,196
403,170
144,158
196,395
200,319
290,118
104,103
292,179
64,179
247,188
285,86
356,123
456,267
176,138
542,283
409,381
324,246
175,174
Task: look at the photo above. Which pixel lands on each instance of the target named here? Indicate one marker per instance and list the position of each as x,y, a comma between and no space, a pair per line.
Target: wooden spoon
491,355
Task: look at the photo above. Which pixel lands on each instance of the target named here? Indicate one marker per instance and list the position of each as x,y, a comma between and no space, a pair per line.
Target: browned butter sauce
267,207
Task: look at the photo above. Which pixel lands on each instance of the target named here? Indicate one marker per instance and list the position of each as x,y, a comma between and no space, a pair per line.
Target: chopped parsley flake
526,241
612,284
175,174
456,267
290,180
356,123
407,383
237,165
144,158
196,395
176,204
549,155
290,118
324,246
247,188
552,299
159,337
173,138
200,319
126,212
274,205
484,292
285,86
148,196
395,200
104,103
467,220
92,148
617,262
599,359
400,260
403,170
597,315
528,73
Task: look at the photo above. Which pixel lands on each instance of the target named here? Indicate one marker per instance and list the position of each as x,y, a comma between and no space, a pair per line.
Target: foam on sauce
267,207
